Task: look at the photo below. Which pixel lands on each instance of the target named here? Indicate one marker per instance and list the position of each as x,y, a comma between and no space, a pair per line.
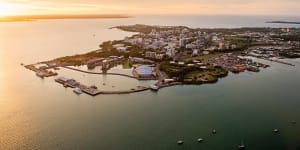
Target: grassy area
193,74
204,57
127,65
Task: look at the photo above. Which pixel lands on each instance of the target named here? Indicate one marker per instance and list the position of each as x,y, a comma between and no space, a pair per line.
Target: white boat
242,146
154,87
77,91
40,74
180,142
214,131
200,140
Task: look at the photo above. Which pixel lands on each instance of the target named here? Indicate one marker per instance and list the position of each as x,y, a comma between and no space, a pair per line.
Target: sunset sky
136,7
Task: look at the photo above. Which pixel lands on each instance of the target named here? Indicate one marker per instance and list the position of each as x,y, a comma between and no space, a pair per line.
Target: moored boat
154,87
77,91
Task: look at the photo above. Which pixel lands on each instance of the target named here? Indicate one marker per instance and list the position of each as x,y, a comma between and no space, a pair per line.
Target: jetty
281,62
93,90
42,71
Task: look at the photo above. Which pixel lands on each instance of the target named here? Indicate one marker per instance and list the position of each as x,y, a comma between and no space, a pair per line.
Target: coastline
205,68
283,22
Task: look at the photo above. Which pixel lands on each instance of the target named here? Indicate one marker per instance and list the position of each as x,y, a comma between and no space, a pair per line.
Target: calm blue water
41,114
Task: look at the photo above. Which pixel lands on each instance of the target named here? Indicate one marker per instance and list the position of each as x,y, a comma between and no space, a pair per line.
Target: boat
180,142
77,91
214,131
276,130
200,140
241,146
154,87
65,85
253,68
40,74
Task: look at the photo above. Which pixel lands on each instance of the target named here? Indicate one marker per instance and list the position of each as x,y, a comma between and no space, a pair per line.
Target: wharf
282,62
94,91
160,86
274,60
41,72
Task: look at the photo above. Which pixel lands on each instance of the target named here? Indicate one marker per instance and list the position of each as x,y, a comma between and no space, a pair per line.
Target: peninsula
174,55
284,22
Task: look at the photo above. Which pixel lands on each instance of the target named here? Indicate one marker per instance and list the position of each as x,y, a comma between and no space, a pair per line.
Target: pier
92,90
41,72
281,62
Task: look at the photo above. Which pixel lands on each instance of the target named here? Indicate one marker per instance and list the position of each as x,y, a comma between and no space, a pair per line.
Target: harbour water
41,114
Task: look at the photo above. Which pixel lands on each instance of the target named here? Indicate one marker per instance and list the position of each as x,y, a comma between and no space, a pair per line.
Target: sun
6,9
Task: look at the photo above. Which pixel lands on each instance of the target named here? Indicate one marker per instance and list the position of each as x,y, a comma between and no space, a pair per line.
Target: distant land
60,16
284,22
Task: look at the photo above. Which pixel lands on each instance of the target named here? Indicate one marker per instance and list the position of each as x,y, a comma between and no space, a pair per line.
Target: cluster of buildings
266,51
177,42
235,63
104,62
169,41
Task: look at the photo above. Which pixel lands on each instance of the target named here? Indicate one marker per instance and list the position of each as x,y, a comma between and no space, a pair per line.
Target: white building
149,54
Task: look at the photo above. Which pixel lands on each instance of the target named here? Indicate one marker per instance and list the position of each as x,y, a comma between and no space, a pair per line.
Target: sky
144,7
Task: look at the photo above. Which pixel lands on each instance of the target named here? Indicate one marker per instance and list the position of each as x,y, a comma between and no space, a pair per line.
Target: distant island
59,16
283,22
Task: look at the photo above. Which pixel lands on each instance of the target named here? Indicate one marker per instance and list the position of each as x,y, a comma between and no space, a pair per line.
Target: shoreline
193,56
284,22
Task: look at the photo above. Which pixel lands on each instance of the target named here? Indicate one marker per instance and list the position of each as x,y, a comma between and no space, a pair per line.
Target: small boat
65,85
200,140
154,87
214,131
241,146
276,130
40,74
180,142
77,91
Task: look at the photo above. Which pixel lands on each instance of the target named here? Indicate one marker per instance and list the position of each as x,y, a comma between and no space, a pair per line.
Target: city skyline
155,7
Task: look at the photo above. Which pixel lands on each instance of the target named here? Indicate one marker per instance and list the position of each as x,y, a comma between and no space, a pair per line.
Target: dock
92,90
41,72
281,62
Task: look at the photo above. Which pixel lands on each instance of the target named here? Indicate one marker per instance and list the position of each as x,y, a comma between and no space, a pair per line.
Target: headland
176,55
